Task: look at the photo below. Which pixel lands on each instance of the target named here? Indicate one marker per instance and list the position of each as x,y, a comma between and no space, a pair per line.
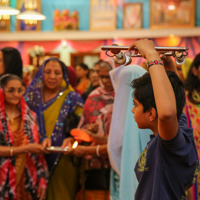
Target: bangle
155,62
11,151
97,150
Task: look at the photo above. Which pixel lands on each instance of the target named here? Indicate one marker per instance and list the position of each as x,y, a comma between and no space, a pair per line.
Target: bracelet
155,62
11,151
97,150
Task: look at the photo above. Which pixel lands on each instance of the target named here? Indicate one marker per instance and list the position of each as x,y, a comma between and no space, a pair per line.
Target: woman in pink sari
95,121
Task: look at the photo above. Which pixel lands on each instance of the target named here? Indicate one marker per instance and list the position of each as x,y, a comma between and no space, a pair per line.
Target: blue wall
83,7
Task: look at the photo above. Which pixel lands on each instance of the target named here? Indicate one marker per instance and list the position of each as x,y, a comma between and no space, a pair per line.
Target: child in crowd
23,172
169,164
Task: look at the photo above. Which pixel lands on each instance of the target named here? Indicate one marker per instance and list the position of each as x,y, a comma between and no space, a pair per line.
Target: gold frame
20,4
180,17
132,11
99,15
7,25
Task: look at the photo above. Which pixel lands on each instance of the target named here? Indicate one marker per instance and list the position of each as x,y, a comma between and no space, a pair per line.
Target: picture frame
132,16
20,24
103,15
4,25
172,14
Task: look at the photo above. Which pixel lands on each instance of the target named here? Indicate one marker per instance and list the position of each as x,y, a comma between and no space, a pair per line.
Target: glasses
13,90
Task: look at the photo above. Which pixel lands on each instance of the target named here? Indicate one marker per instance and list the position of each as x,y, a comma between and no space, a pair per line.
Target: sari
193,116
83,86
21,175
98,108
55,118
126,141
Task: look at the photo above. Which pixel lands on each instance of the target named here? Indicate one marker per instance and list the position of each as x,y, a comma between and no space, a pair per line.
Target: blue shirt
166,169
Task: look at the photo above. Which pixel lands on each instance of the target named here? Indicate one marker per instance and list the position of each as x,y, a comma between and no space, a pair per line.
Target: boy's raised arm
163,91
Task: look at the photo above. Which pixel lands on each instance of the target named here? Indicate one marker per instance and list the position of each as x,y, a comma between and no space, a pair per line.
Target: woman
126,141
192,87
10,61
23,172
82,74
58,108
96,119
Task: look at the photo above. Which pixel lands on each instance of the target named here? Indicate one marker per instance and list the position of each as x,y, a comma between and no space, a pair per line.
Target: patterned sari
98,108
193,116
20,175
56,117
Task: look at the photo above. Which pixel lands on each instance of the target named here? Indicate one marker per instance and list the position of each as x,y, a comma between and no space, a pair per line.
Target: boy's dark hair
192,82
12,61
143,91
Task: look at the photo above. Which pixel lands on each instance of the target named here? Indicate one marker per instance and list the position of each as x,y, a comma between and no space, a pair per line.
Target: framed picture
103,14
172,14
4,24
20,24
132,17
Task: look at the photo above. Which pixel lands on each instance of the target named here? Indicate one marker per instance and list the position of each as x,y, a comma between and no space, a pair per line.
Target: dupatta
98,107
35,166
126,141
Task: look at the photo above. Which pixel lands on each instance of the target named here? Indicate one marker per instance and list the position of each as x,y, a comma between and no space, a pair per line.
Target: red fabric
72,76
35,164
98,108
88,46
85,46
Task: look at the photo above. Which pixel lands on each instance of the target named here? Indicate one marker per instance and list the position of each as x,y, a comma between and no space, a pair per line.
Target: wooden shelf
97,35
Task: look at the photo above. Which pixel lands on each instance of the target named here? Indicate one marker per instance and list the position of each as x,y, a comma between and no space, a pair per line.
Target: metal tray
57,149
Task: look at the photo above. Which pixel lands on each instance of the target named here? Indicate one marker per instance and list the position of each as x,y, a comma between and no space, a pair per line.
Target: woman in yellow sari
58,108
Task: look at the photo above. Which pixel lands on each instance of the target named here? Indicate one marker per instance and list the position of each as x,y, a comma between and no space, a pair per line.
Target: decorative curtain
193,43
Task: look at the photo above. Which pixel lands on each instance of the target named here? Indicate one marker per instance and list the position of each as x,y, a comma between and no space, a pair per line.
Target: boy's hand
145,47
168,62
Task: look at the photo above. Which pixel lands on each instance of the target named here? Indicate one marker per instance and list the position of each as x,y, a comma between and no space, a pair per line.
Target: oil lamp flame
75,145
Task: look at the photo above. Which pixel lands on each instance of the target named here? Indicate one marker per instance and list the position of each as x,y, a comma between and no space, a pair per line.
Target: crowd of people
121,119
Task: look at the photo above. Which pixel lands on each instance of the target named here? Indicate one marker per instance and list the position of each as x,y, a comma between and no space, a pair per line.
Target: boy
168,165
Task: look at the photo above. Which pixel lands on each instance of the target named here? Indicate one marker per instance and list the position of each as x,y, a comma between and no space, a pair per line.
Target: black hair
144,91
192,82
105,64
85,67
7,77
12,61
